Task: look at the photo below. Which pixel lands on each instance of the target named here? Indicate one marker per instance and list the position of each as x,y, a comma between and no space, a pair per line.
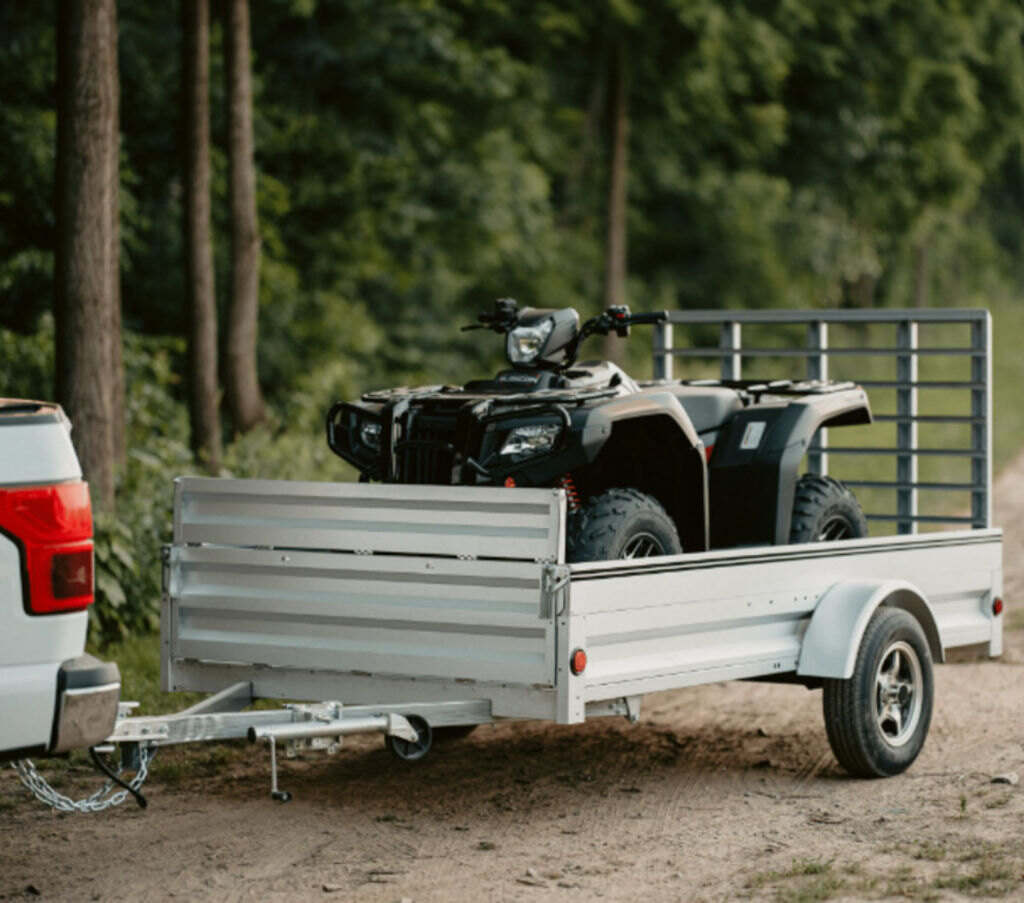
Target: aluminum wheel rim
899,690
643,545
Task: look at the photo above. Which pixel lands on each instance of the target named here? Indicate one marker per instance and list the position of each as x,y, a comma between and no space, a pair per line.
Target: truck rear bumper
88,692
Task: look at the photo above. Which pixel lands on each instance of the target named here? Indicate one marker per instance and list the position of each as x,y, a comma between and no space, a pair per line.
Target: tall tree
86,260
199,287
117,389
245,401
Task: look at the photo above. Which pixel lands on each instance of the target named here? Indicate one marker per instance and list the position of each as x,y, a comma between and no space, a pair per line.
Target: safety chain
99,801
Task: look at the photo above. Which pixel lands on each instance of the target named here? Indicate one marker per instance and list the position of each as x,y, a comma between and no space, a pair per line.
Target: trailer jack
323,731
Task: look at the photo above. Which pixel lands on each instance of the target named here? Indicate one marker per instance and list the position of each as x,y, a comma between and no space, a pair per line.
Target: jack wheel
412,750
281,796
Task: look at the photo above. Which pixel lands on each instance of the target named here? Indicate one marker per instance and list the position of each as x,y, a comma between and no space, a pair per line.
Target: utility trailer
426,608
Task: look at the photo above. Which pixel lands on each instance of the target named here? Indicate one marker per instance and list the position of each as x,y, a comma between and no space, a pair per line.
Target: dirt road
721,792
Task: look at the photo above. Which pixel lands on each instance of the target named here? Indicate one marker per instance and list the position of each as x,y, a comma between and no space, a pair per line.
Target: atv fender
653,447
754,470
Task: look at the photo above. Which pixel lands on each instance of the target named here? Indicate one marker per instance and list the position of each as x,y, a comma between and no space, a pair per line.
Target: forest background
415,159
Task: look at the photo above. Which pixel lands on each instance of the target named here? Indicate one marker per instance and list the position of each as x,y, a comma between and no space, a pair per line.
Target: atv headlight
525,343
369,434
532,440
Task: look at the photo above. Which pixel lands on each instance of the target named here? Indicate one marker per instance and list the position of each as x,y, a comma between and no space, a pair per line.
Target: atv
648,468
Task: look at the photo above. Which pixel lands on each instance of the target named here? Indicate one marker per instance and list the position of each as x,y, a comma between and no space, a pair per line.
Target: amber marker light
578,662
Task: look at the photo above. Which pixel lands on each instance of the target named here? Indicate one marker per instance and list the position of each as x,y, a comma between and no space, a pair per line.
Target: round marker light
997,606
578,662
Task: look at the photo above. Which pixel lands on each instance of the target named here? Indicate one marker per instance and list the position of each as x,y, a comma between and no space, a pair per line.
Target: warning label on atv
752,434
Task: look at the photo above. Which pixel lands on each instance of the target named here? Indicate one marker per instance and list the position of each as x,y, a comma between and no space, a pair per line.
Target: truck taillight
52,525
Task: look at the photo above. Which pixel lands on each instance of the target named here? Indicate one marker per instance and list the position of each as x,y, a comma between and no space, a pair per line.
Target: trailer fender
837,625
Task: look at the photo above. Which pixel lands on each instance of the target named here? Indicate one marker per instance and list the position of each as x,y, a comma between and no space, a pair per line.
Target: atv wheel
621,523
825,510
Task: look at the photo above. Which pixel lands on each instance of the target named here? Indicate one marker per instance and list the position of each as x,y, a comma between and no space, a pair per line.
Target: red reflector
708,449
510,482
53,527
578,661
997,606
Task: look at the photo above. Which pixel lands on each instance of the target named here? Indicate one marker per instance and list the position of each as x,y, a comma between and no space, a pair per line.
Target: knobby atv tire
824,509
621,523
862,734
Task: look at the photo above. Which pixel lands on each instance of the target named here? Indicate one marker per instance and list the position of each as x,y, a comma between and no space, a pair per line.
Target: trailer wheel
412,750
825,510
621,523
877,720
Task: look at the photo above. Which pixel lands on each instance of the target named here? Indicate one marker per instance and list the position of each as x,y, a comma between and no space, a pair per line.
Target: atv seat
707,406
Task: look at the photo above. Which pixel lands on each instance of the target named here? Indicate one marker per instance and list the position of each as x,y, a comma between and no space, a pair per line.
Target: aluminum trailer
453,606
431,606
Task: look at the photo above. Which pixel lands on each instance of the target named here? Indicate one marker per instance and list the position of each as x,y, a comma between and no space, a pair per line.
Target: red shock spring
571,493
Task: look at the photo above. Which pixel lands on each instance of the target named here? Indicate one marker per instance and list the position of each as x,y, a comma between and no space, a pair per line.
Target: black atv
648,468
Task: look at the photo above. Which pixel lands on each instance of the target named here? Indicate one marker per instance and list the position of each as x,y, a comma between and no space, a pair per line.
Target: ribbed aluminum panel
722,615
384,615
516,524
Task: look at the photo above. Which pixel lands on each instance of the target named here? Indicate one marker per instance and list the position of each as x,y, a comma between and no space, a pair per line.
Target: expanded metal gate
924,370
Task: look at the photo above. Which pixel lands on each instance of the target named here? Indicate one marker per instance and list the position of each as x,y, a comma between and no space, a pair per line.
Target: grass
979,870
805,881
138,657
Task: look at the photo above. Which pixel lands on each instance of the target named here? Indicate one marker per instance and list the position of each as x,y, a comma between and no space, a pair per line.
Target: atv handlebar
617,318
504,318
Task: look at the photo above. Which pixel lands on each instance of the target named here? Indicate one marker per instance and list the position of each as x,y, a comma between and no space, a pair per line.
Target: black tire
824,510
412,750
877,720
621,523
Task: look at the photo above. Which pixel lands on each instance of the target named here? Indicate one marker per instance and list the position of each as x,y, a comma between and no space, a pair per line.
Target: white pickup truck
53,696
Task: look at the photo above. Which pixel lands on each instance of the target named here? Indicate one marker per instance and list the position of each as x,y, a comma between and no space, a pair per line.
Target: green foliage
128,566
26,362
138,658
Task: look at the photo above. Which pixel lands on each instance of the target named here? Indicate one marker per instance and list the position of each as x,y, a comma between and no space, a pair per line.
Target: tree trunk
86,180
118,405
615,248
245,402
203,394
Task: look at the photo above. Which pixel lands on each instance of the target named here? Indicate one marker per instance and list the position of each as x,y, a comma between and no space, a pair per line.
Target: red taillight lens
53,527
